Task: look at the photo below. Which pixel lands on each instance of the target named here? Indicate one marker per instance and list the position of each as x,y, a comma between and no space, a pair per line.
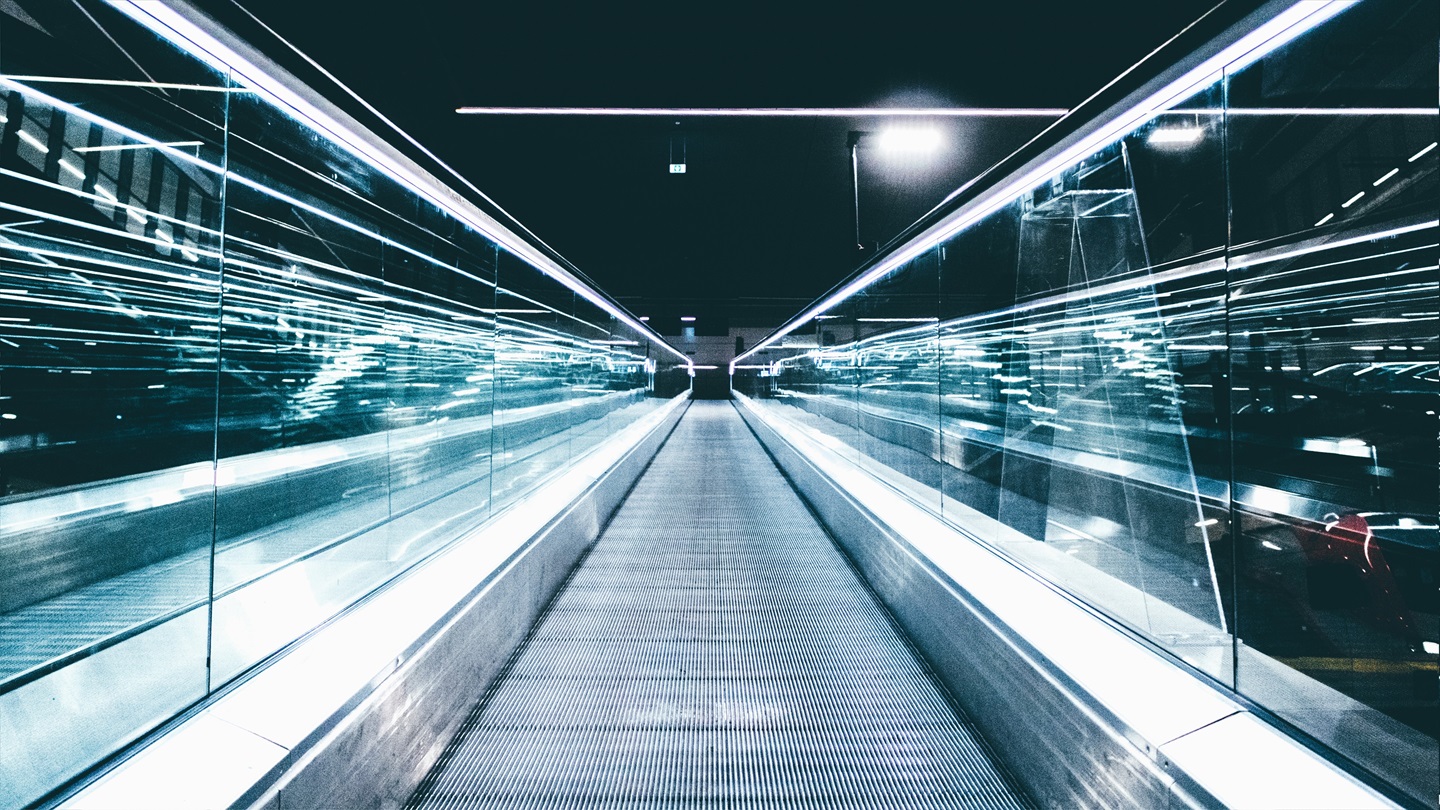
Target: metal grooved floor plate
715,650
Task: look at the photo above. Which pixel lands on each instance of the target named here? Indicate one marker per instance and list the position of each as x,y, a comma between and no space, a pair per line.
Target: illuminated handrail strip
1247,49
175,27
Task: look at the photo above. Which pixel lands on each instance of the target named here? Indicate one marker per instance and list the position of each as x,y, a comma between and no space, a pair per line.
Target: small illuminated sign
677,168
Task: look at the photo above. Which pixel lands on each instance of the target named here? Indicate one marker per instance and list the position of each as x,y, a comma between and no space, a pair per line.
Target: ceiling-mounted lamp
677,167
909,139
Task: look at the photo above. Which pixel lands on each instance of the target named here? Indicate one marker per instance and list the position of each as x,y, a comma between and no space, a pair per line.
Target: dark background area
763,220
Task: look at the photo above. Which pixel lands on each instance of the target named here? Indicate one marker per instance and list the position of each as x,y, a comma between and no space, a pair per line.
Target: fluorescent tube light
779,112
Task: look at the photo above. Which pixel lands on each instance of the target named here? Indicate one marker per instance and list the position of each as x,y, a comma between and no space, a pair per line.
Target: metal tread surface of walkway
715,649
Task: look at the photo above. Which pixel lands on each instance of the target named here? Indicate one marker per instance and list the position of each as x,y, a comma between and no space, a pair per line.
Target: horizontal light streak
46,216
779,112
127,83
32,140
1304,250
101,261
1325,111
123,146
338,322
185,284
90,227
1350,260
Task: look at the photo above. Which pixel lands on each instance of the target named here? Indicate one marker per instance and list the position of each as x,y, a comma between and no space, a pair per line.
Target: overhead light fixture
911,140
687,318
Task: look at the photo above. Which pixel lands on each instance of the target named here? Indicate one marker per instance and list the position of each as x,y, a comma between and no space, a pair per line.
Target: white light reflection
118,147
32,141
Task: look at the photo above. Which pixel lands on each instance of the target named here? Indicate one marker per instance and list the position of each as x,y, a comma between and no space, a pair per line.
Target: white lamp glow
909,140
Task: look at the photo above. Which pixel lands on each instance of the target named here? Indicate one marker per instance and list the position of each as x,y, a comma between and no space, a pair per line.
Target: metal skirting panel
377,754
715,649
1065,754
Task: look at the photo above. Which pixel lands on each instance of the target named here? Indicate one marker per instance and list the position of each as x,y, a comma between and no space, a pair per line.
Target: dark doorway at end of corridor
711,383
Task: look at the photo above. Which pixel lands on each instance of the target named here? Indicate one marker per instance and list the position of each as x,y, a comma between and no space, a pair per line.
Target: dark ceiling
765,208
